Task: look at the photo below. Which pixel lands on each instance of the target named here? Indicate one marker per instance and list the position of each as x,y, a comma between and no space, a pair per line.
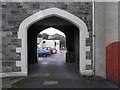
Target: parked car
42,52
49,49
54,50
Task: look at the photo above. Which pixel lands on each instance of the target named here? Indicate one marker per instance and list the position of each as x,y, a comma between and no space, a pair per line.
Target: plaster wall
106,30
99,39
111,22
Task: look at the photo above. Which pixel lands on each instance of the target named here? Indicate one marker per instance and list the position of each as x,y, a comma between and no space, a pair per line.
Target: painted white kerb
22,34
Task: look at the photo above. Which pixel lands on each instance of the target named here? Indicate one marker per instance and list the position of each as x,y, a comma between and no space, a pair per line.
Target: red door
113,62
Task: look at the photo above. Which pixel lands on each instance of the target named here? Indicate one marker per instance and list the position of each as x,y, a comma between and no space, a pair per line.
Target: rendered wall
106,29
112,44
111,22
99,39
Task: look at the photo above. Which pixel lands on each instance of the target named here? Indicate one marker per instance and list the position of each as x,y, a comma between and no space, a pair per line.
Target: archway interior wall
70,30
21,11
72,35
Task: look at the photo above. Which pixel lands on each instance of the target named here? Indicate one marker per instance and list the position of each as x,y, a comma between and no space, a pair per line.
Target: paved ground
53,72
8,81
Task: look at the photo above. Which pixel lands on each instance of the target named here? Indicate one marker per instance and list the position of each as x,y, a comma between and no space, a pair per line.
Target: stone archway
83,32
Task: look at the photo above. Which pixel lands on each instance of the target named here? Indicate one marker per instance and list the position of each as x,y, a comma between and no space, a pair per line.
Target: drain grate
50,82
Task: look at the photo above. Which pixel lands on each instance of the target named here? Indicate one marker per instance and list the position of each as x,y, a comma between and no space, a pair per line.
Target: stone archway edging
22,34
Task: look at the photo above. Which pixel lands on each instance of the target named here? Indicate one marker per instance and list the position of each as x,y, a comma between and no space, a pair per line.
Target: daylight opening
51,44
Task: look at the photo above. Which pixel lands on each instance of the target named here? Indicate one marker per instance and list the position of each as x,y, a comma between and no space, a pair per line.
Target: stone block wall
13,13
0,38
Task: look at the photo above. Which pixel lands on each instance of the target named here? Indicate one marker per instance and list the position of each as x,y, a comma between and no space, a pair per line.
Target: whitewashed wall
106,30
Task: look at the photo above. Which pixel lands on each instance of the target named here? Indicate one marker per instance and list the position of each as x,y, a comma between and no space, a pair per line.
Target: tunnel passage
70,30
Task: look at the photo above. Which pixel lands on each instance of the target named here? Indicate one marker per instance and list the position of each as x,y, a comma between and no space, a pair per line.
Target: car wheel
44,55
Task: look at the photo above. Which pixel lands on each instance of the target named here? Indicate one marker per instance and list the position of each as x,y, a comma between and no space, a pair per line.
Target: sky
52,31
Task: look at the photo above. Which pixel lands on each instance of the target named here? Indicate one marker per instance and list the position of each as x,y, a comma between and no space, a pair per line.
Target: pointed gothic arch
83,34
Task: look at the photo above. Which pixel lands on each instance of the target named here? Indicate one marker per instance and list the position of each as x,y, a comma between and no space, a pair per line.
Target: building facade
50,43
94,26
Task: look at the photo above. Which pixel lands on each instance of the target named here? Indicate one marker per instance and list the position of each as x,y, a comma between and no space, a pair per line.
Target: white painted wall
100,62
111,22
106,30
